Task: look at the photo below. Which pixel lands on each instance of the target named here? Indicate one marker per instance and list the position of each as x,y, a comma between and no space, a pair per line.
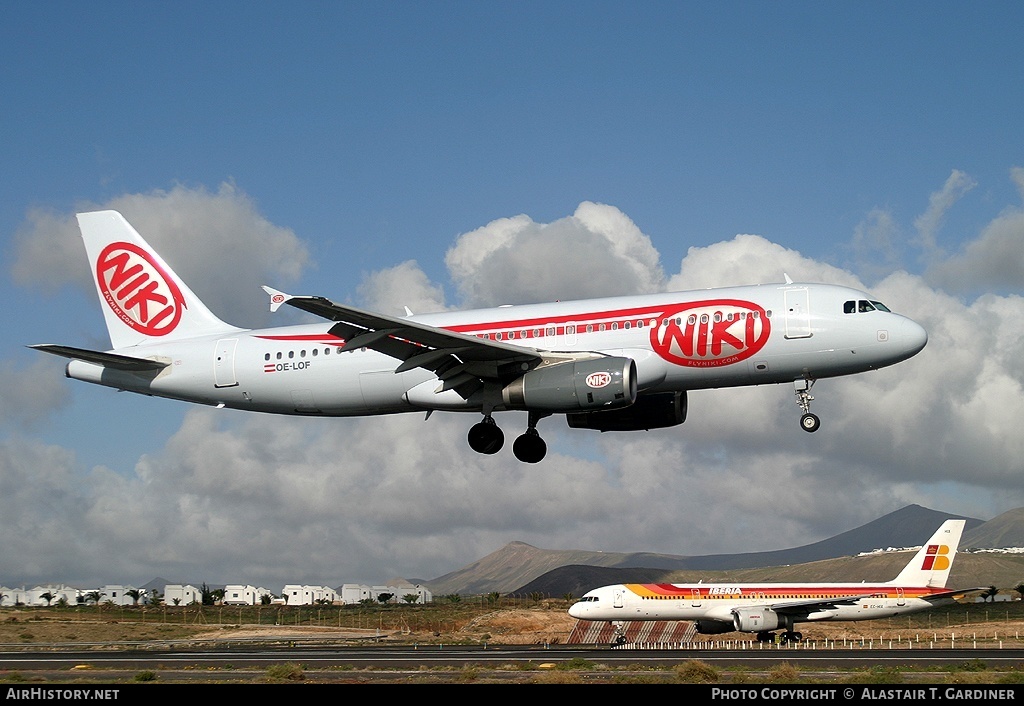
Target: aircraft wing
463,363
953,594
107,360
812,604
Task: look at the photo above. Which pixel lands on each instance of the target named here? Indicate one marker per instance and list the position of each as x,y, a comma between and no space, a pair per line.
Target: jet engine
654,411
755,619
598,383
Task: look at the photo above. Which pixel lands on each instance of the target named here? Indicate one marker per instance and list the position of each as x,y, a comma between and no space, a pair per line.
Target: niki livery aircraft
613,364
763,607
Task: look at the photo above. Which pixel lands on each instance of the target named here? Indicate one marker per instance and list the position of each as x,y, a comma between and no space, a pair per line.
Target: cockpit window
863,305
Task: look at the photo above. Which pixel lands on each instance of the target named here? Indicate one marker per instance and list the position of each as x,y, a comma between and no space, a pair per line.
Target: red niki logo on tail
138,290
936,559
709,334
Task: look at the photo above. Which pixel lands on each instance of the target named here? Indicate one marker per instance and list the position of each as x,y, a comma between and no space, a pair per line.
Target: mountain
514,567
1006,530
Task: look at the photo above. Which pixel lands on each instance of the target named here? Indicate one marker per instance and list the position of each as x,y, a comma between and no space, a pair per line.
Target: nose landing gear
808,422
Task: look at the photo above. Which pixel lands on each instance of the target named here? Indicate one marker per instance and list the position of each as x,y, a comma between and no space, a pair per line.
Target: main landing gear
808,422
781,638
486,437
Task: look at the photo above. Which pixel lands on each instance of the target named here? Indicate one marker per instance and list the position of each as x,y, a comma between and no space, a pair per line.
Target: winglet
788,280
277,298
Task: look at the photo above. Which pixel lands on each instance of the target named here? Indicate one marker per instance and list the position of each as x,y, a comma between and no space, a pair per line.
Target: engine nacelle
654,411
713,627
755,619
599,383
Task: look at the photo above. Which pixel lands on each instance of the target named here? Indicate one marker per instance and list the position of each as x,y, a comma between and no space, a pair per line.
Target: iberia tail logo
935,558
711,333
137,289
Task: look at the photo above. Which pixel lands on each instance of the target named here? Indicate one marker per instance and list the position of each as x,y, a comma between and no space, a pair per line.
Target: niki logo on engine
137,290
712,333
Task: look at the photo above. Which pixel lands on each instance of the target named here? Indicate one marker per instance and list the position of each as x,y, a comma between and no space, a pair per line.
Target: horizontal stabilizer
107,360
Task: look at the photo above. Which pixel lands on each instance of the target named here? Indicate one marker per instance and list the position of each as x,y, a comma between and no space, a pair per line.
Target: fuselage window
600,327
590,328
550,331
615,326
291,354
266,356
626,325
302,353
279,355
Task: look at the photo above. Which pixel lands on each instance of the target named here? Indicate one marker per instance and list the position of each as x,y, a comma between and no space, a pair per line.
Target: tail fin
932,563
141,297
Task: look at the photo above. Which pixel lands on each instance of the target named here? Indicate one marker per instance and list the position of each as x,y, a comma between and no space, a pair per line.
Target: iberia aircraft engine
596,383
755,619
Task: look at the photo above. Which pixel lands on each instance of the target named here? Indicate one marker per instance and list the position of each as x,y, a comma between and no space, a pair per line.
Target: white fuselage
680,341
713,602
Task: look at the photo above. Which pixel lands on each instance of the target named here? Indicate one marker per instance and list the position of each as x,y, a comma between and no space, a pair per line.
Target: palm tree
48,597
990,593
135,595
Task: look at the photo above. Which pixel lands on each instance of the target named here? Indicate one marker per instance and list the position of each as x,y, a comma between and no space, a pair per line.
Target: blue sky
376,152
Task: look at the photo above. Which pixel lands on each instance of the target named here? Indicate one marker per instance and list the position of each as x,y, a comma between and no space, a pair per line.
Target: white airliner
612,364
763,607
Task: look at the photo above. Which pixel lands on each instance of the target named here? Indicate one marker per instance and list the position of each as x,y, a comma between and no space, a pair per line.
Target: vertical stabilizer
932,563
142,299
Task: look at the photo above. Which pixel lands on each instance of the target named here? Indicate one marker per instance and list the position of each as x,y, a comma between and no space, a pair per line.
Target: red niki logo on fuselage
712,333
138,290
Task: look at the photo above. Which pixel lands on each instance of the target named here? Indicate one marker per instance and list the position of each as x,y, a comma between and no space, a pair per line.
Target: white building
178,594
57,595
118,595
295,594
355,593
237,594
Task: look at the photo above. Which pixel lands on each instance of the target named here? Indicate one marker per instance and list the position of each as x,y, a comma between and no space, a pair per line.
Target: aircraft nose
913,336
576,610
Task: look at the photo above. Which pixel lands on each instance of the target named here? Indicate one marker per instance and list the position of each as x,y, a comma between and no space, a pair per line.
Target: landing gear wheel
810,422
529,447
765,637
792,636
486,437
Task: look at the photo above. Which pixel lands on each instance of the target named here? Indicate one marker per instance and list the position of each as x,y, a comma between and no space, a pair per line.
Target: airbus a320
610,364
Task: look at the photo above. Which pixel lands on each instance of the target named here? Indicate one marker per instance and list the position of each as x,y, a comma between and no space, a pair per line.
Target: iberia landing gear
486,437
802,387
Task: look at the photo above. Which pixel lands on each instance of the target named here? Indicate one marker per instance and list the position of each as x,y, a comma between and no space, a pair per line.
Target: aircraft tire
810,422
486,438
529,447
